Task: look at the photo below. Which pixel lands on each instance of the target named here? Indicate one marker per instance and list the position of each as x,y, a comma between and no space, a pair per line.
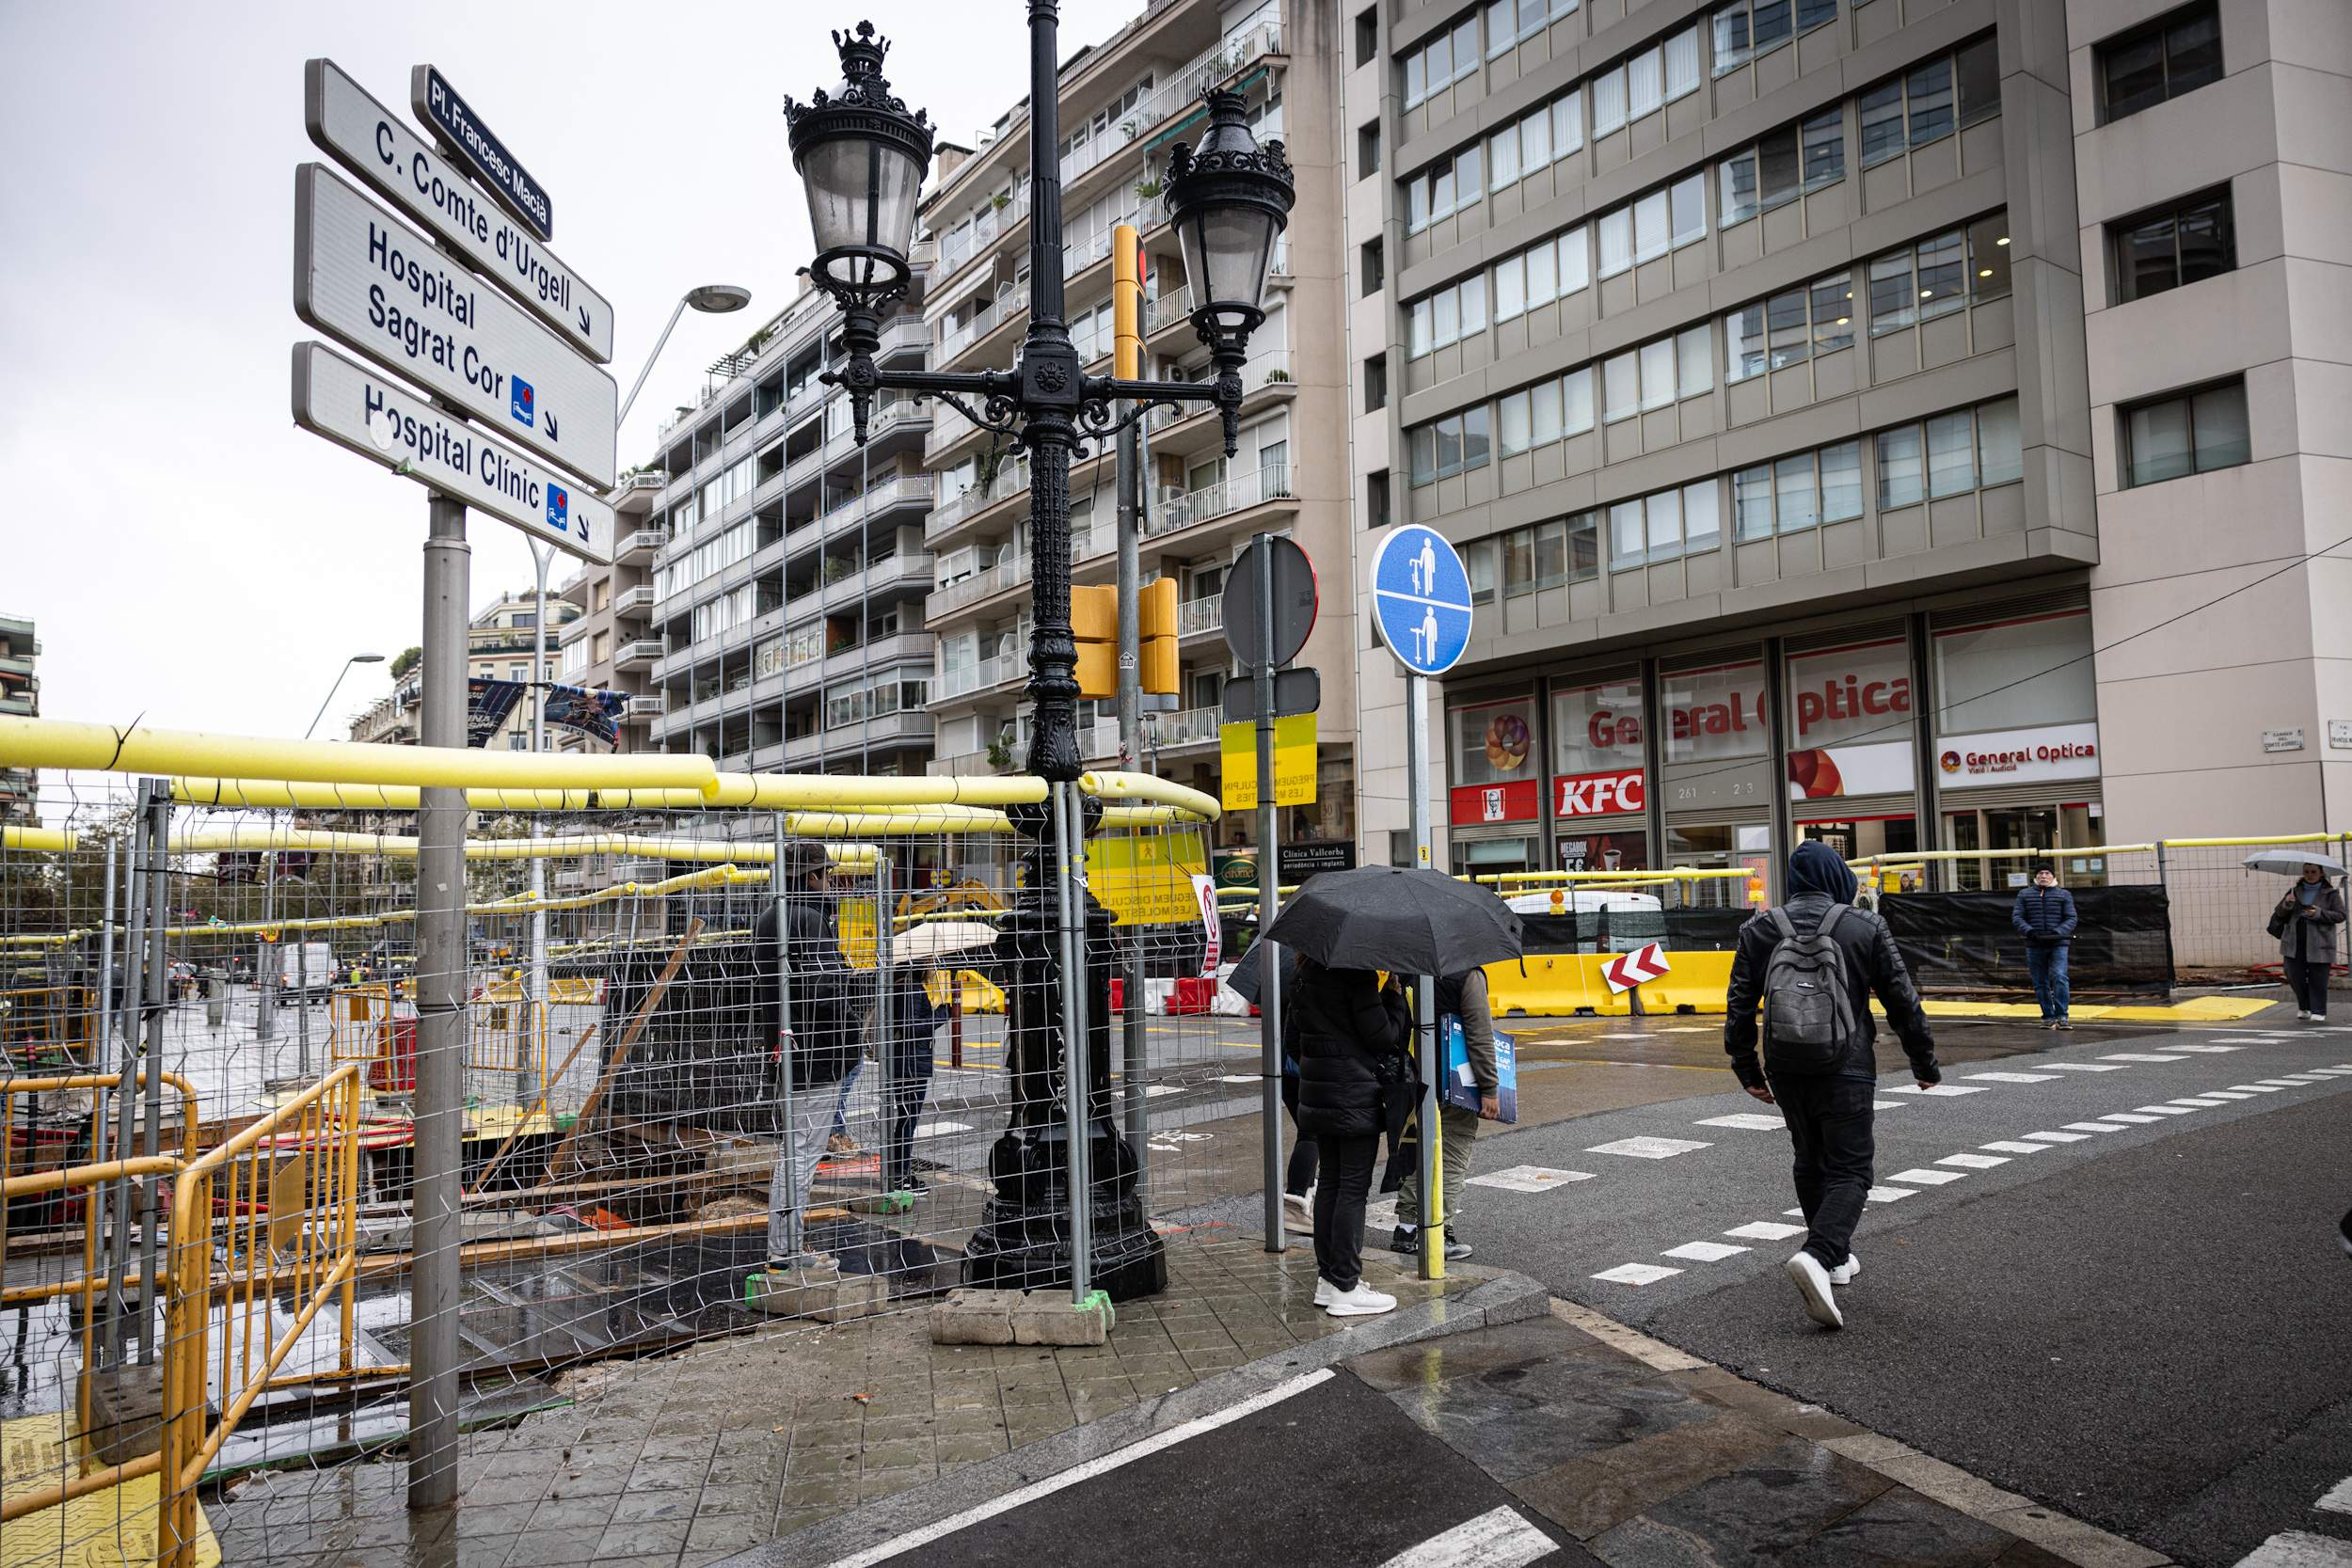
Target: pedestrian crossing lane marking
2081,1067
2225,1094
1974,1162
2012,1147
1927,1178
1749,1120
1946,1090
2198,1102
1498,1538
1703,1252
1889,1195
2133,1117
2141,1056
2206,1049
2169,1110
2012,1078
2054,1137
1647,1148
2259,1089
2092,1127
1636,1274
1529,1179
1765,1230
2337,1499
2296,1548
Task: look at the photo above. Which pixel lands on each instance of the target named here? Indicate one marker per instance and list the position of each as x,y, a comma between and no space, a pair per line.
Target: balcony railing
1191,726
904,332
643,540
904,489
1010,303
955,250
644,707
1268,482
968,678
1269,369
953,596
633,601
1011,479
644,650
1199,616
1255,38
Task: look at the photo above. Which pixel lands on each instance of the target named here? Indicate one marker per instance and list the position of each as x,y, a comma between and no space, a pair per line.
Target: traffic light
1155,623
1094,626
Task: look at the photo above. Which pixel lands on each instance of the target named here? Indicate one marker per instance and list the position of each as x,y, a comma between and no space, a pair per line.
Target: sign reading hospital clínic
374,417
377,286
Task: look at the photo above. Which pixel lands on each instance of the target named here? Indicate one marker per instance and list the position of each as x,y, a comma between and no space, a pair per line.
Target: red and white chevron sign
1639,967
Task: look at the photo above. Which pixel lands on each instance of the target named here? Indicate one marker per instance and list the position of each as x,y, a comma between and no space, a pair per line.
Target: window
2000,460
1449,446
1367,149
1367,34
1686,199
1511,423
1510,288
1621,387
1824,139
1694,359
1617,241
1795,503
1893,305
1977,72
1444,60
1702,516
2172,55
1375,382
1447,316
1752,501
1376,499
1658,374
1747,29
2188,433
1988,258
1736,181
1882,123
1929,91
1627,537
1951,454
1369,260
2162,251
1901,481
1789,328
1777,166
1444,188
1831,302
1841,480
1732,49
1568,123
1789,340
1943,264
1576,401
1609,101
1785,163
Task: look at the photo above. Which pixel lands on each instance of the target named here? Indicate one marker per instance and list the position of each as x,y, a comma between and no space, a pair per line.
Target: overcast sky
188,554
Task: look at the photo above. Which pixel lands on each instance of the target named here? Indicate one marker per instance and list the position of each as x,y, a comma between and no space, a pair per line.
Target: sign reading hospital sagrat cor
377,286
373,416
361,134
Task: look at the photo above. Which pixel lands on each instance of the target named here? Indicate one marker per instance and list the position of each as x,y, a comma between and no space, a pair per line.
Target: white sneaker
2300,1016
1843,1274
1303,1202
1361,1302
1325,1293
1813,1283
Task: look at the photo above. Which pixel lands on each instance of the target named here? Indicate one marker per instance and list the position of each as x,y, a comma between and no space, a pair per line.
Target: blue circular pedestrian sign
1420,599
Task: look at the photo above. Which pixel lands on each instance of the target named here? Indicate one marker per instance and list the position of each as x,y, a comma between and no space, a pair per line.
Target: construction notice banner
1293,763
1148,880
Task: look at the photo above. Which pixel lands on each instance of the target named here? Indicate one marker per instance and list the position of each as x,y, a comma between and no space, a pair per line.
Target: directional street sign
1295,692
436,104
1294,604
377,417
1637,968
361,134
1420,599
377,286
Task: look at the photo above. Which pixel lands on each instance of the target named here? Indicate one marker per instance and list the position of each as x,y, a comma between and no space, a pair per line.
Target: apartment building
20,696
611,646
1846,409
1125,103
782,627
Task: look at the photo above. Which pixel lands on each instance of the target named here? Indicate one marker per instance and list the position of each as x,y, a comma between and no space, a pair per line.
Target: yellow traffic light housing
1155,626
1094,626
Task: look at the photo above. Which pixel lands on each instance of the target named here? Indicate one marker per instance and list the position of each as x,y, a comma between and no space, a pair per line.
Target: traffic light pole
1127,346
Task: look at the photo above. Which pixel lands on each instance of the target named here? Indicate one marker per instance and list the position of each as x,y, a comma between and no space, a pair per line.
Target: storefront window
1494,768
1849,724
1715,713
1596,756
2016,703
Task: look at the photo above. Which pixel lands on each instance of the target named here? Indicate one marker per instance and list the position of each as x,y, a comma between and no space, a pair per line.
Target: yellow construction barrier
1695,981
981,994
1552,984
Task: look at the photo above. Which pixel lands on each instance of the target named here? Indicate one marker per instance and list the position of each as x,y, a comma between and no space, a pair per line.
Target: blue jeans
2047,964
841,1101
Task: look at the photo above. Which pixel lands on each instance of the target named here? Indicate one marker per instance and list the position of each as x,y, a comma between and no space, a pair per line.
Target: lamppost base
1023,1242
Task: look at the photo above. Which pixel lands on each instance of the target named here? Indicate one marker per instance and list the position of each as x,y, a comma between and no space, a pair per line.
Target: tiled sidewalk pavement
689,1458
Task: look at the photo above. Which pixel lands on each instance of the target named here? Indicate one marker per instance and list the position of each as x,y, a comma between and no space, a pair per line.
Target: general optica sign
2050,751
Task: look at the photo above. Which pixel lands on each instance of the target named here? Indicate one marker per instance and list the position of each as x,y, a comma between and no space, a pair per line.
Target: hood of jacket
1815,867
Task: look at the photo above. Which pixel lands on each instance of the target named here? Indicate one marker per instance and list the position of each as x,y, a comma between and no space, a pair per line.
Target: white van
305,968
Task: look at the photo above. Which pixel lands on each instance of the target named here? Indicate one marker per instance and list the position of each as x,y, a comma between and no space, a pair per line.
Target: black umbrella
1407,922
1245,976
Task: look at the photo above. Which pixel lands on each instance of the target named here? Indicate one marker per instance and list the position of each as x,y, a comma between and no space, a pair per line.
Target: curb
1506,1298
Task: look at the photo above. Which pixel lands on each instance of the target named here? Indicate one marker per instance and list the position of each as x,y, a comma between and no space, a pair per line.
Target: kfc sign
1597,795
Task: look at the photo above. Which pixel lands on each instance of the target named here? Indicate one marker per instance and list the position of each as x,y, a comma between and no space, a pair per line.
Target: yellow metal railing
60,1019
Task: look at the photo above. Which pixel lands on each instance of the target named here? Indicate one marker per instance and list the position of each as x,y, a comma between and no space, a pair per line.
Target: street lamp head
1230,200
367,658
862,157
719,299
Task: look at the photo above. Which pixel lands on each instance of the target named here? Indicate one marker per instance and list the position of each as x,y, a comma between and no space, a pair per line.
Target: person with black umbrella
1355,1042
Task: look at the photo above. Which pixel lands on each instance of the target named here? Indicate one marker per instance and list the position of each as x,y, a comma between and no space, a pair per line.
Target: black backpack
1809,1008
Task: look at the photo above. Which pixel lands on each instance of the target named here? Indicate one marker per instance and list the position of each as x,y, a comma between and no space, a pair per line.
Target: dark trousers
2308,979
2046,963
1301,1172
1348,1164
909,1086
1828,1129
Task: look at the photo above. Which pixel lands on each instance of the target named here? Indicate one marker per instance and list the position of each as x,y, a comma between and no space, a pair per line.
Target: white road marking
2205,1050
2141,1056
2082,1067
2334,1071
2119,1116
1529,1179
1500,1537
1647,1148
2169,1110
1703,1252
1936,1089
2338,1498
1746,1119
2302,1078
1766,1231
1152,1091
1890,1195
1636,1274
2054,1137
2260,1088
2296,1548
1974,1162
1241,1078
898,1546
2012,1147
2225,1094
2012,1078
2283,1083
1926,1178
1885,1104
2092,1127
940,1128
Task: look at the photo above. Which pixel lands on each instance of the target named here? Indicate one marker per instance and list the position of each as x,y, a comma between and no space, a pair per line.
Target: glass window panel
1791,339
1823,138
1510,289
1988,258
1841,482
1893,305
1440,53
1535,13
1776,165
1752,501
1688,199
1744,342
1542,282
1518,561
1449,312
1943,265
1501,26
1473,292
1424,445
1951,454
1466,47
1813,13
1503,156
1449,446
1576,260
1617,241
1999,457
1584,547
1475,426
1608,102
1771,25
1544,412
1682,62
1900,480
1416,77
1731,36
1441,192
1645,83
1833,313
1419,339
2158,438
1621,387
1792,492
1663,516
1534,141
2147,259
1978,70
1576,401
2219,417
2207,245
1694,359
1882,123
1417,203
1735,178
1511,416
2192,53
1651,227
1626,535
1658,374
1702,515
1467,164
1568,123
1930,91
2134,75
1551,554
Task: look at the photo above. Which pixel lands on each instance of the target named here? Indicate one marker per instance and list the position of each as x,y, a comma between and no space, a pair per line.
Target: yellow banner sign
1293,763
1146,879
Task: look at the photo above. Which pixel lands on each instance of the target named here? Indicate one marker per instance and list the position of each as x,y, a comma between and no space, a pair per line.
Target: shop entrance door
2018,828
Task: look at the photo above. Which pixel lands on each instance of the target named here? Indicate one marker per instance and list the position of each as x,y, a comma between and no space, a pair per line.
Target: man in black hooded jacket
1828,1110
821,1032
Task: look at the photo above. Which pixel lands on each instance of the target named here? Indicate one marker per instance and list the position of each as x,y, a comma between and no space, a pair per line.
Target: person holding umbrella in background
2305,923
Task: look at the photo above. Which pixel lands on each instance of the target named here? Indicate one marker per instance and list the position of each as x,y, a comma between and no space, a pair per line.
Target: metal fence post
1069,900
884,1043
157,804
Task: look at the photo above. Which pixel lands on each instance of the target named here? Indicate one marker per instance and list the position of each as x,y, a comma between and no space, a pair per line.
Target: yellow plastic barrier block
1697,980
981,993
1551,985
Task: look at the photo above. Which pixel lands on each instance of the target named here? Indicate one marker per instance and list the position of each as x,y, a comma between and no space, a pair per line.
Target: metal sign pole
151,1055
1069,902
535,997
1269,904
1424,1009
440,1026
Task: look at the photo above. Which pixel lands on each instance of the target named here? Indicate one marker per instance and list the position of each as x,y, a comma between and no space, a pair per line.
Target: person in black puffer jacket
823,1029
1355,1037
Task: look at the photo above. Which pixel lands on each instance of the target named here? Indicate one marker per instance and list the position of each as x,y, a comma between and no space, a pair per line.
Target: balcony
904,334
964,592
1195,617
946,515
955,250
966,765
639,547
1010,302
1265,485
644,707
633,601
1187,727
1240,49
985,676
903,490
637,655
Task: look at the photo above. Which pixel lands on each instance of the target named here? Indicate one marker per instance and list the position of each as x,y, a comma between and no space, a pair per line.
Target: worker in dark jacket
821,1031
2045,916
1462,996
1355,1038
1827,1107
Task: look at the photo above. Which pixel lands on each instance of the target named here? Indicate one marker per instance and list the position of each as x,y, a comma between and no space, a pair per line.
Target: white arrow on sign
376,285
361,134
372,415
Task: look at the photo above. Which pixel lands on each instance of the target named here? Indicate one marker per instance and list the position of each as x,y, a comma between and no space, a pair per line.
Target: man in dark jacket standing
816,1041
1827,1102
2045,916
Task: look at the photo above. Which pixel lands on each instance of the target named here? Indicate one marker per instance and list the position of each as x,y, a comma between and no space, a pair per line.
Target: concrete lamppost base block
970,1317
